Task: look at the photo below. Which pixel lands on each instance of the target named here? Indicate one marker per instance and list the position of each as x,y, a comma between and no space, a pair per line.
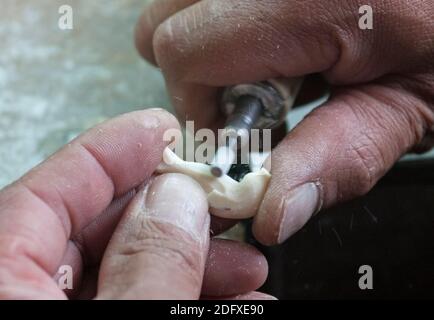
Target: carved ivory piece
227,198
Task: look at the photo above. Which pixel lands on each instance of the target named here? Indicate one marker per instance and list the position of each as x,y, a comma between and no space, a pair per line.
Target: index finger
54,201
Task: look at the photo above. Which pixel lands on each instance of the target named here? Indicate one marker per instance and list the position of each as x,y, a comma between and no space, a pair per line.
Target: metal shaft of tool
247,111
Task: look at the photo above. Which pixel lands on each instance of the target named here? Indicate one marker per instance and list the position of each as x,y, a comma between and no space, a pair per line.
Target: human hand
382,100
65,211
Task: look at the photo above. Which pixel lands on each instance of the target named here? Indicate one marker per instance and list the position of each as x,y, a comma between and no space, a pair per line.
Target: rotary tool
261,105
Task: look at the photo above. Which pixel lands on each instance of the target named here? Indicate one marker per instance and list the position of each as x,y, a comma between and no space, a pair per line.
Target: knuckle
366,151
367,162
143,38
384,121
22,246
164,242
163,43
170,50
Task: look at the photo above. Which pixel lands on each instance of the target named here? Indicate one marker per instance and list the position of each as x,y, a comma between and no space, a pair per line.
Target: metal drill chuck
276,97
261,105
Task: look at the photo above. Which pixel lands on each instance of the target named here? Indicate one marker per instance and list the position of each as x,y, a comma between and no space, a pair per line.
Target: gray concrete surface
55,84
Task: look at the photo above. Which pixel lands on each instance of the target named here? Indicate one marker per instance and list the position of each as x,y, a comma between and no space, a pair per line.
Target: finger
339,152
233,268
70,189
23,279
93,239
213,44
159,249
84,251
219,225
73,259
254,295
153,15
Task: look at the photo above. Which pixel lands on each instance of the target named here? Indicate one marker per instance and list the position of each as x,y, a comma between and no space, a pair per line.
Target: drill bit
247,111
260,105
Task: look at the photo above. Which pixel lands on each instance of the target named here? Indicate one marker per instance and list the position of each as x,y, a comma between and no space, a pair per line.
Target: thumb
160,246
339,152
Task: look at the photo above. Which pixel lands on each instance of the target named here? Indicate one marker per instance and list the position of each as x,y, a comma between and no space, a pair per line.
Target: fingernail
178,200
299,206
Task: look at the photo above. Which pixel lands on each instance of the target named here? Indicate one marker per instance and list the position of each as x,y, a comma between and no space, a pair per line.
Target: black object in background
391,229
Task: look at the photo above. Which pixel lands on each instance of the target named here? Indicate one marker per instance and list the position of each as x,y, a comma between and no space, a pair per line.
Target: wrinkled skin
65,211
382,87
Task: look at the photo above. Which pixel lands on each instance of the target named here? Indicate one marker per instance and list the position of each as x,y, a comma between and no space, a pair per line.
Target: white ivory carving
227,198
